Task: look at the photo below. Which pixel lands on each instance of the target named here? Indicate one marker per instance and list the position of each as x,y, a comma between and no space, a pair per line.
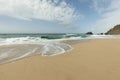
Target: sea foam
16,48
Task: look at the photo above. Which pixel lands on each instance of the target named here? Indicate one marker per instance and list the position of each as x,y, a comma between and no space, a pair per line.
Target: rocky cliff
114,31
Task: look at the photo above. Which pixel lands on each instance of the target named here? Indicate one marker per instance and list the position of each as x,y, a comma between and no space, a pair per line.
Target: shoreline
92,60
13,52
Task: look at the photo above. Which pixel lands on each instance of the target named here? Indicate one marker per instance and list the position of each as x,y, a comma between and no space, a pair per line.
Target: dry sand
92,60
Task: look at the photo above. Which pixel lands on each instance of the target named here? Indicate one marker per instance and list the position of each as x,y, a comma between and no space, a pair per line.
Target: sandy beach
91,60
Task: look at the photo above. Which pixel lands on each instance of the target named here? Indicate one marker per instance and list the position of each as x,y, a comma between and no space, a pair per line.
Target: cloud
51,10
109,13
100,5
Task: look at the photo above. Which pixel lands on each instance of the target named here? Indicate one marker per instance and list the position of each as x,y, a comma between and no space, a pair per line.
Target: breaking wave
17,48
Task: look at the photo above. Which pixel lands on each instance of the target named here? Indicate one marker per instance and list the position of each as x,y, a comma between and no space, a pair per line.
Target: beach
97,59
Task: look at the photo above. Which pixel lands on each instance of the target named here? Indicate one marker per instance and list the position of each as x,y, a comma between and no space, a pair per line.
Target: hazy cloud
100,5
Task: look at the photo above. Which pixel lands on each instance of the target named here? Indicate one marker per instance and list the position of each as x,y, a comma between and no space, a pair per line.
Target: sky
58,16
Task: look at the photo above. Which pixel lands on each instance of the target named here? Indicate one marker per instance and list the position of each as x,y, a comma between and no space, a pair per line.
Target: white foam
51,47
4,54
29,53
104,37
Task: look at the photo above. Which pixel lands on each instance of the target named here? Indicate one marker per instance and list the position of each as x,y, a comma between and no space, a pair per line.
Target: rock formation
89,33
114,31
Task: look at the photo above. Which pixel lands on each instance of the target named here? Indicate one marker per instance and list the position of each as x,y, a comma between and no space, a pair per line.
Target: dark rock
114,31
101,33
89,33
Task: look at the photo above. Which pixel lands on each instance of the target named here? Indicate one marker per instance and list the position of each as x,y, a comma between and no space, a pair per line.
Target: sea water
17,46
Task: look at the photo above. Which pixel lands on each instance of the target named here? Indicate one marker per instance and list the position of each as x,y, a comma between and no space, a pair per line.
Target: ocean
17,46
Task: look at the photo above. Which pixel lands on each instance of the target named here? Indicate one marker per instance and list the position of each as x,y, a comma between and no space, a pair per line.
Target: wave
47,44
17,47
103,37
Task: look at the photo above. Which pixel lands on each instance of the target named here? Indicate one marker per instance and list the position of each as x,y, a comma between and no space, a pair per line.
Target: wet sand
9,53
92,60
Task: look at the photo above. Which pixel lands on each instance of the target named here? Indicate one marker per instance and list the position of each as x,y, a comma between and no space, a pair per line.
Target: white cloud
52,10
110,15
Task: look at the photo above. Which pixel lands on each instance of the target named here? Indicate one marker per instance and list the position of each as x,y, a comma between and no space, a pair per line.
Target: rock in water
89,33
114,31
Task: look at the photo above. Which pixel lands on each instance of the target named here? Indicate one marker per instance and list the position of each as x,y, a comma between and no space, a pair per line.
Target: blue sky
58,16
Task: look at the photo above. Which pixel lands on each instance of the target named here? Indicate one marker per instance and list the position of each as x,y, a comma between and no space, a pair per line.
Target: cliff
114,31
